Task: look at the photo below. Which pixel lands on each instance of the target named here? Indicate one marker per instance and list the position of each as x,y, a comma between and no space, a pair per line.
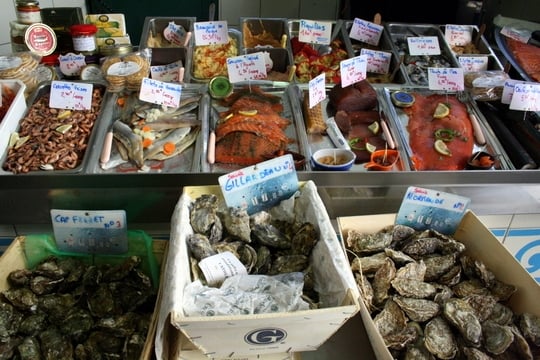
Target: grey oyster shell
529,325
200,246
236,222
365,243
462,316
420,310
497,338
439,338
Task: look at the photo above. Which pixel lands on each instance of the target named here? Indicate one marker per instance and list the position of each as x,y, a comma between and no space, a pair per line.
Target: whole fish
131,141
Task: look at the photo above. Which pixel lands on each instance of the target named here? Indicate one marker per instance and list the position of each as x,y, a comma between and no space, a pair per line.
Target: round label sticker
40,39
124,68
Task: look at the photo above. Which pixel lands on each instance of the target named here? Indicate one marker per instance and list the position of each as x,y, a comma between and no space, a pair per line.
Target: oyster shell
29,349
382,281
483,305
236,222
366,290
451,277
397,256
368,264
497,338
475,354
200,246
304,239
204,218
289,263
269,235
529,324
421,246
439,339
390,320
414,288
520,344
476,269
413,270
419,310
501,314
463,317
437,265
264,260
365,243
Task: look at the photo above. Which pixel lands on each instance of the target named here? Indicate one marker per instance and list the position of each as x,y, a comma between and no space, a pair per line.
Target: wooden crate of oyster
285,332
14,258
488,257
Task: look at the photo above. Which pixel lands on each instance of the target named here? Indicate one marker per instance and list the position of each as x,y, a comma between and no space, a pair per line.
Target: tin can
84,38
28,12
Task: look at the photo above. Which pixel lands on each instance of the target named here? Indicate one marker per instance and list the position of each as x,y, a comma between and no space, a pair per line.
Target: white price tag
71,64
211,33
459,35
353,70
508,90
317,89
365,31
161,93
168,73
526,97
448,79
246,67
217,268
70,95
378,62
424,45
175,34
315,32
91,231
473,63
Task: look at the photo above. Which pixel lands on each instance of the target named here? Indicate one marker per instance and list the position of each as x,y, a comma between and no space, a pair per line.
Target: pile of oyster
265,244
428,299
65,309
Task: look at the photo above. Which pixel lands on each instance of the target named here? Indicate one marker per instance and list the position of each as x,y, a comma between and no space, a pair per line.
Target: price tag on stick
526,97
70,95
317,90
161,93
353,70
424,45
246,67
366,31
315,32
448,79
211,33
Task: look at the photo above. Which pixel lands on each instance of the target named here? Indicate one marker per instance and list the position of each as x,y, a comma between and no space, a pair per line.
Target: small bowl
333,159
481,160
383,160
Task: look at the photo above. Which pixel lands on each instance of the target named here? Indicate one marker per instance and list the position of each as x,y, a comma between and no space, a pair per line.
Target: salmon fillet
527,56
245,148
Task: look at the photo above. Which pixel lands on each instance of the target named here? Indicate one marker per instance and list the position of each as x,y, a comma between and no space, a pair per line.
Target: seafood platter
151,138
429,295
312,60
316,256
360,116
49,140
416,66
257,121
442,130
395,71
40,287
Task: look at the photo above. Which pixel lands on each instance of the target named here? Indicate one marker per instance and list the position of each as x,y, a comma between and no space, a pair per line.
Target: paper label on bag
448,79
424,45
424,209
92,232
366,31
261,186
70,95
217,268
526,97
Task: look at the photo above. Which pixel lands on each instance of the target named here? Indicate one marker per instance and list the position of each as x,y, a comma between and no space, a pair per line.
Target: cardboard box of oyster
276,335
472,319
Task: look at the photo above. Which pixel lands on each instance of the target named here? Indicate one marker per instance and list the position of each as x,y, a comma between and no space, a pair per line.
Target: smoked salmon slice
245,148
527,56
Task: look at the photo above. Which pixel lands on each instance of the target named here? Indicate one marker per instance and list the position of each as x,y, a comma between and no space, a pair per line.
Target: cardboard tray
224,336
480,243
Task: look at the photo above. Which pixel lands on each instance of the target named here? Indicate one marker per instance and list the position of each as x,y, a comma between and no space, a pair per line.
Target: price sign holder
70,95
246,67
315,32
458,35
448,79
90,231
211,33
353,70
366,31
260,186
424,45
317,89
526,97
161,93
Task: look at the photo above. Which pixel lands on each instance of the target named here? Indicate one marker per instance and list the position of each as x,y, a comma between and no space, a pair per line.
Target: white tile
523,241
498,224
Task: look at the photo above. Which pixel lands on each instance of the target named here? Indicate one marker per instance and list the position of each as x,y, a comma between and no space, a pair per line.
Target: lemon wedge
62,129
248,112
370,147
374,127
441,111
441,148
63,114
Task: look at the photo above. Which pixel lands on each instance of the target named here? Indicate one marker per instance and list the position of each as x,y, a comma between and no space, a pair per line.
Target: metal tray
165,56
385,44
417,75
500,39
153,29
93,140
400,121
185,162
291,110
481,44
317,141
338,32
234,34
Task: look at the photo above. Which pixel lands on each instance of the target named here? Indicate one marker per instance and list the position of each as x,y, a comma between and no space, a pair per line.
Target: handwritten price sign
71,64
366,31
315,32
378,62
316,89
448,79
246,67
211,33
69,95
161,93
169,72
458,34
353,70
473,63
176,34
526,97
508,90
424,45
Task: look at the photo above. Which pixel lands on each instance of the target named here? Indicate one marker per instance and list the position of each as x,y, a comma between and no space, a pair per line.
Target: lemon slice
62,129
441,148
248,112
374,127
63,114
370,147
441,111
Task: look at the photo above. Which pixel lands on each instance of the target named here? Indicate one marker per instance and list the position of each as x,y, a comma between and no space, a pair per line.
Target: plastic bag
126,72
486,85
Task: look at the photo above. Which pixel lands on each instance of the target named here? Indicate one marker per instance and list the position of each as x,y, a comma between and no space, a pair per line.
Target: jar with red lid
28,12
84,38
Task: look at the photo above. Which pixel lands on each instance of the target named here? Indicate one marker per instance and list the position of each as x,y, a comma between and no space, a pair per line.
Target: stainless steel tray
385,44
416,66
92,139
185,162
289,94
507,53
400,120
321,141
151,36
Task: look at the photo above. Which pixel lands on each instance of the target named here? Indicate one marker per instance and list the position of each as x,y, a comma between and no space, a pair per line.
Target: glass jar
84,38
17,32
28,12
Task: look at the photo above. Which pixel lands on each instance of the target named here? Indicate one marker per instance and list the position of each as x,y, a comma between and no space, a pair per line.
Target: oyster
401,232
421,246
451,277
529,324
304,239
413,288
365,243
21,298
382,281
366,290
200,246
269,235
29,349
501,314
437,265
413,270
502,291
398,257
520,344
204,218
236,222
368,264
439,339
390,320
497,338
264,260
476,269
420,310
475,354
463,317
289,263
10,319
483,305
470,287
55,346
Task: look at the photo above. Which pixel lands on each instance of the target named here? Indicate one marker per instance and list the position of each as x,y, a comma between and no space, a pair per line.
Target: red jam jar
28,12
84,38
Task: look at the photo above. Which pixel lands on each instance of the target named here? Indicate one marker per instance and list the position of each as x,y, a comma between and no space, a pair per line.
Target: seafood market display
526,56
254,124
149,137
52,139
8,95
264,243
66,309
211,60
417,65
429,299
